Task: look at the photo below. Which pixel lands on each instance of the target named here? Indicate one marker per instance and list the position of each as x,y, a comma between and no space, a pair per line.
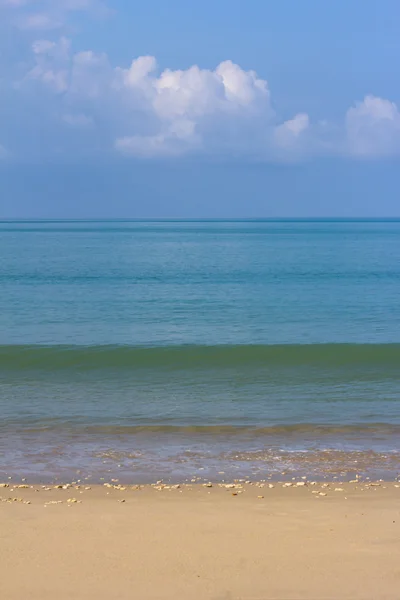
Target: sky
119,109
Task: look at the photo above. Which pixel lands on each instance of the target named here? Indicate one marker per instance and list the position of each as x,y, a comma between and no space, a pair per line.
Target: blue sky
188,109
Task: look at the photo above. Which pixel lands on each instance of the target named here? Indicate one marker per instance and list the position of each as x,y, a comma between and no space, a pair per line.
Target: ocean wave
300,430
15,357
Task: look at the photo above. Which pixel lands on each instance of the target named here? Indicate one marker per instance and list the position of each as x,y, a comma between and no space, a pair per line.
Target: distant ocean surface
181,349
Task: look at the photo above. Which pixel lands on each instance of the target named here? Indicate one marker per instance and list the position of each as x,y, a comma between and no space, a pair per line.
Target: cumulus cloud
186,106
225,111
373,128
163,113
290,132
51,64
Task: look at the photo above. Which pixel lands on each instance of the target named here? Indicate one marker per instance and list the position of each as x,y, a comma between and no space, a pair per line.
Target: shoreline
136,463
76,492
199,484
232,541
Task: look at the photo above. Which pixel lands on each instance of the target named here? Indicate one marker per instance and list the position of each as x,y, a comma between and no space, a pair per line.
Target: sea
199,350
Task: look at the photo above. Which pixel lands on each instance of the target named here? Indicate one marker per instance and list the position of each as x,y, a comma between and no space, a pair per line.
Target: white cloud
51,64
224,111
184,105
158,114
290,132
194,92
178,138
373,128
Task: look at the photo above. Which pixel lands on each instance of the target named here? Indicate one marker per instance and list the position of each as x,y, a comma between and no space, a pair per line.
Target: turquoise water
174,349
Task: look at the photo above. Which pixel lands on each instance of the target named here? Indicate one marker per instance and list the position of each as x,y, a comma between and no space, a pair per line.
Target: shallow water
213,348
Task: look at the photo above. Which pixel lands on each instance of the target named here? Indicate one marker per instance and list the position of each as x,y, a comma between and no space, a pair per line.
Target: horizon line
191,219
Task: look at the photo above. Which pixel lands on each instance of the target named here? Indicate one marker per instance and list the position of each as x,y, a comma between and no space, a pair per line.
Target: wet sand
248,542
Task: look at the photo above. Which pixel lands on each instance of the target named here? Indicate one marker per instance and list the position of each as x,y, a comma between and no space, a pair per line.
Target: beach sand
201,543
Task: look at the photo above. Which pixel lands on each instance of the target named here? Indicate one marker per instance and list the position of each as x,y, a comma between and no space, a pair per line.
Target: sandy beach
201,542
